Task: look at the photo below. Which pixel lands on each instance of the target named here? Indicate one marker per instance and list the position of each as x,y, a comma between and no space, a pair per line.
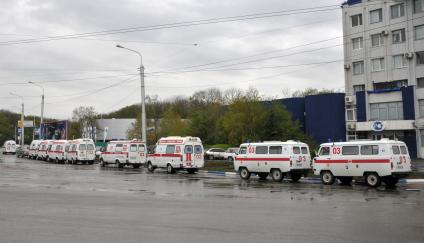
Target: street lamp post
22,119
143,95
42,106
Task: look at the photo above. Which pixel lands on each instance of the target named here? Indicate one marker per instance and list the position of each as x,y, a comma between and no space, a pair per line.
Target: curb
313,179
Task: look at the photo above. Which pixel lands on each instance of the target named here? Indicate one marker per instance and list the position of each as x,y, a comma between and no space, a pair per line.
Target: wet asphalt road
42,202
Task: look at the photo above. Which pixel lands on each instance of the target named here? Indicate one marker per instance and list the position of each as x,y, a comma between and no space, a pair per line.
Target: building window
358,88
377,64
421,107
397,11
358,68
377,40
420,57
422,137
376,16
350,114
356,20
398,36
391,85
357,43
419,32
420,82
399,61
386,111
418,6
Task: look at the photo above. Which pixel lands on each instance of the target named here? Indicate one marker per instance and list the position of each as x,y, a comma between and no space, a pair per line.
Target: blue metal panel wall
296,107
361,112
408,103
325,117
410,140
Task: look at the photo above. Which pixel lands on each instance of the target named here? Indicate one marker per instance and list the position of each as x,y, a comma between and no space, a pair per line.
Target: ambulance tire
170,169
373,179
102,163
136,166
277,175
191,171
120,166
263,176
295,177
327,178
57,160
345,180
244,173
391,181
231,159
150,167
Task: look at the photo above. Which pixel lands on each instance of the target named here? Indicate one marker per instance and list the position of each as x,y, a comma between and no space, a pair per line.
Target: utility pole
42,107
143,95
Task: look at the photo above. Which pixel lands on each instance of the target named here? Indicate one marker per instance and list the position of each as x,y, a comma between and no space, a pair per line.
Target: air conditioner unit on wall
409,55
348,99
351,126
347,66
385,32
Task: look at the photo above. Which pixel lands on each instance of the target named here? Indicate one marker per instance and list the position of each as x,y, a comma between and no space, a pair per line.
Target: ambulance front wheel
373,179
327,178
170,169
244,173
150,167
277,175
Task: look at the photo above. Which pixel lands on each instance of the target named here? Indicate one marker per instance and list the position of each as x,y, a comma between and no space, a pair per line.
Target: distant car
21,152
218,153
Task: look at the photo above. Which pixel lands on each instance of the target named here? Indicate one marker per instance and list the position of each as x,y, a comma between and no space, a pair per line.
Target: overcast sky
91,71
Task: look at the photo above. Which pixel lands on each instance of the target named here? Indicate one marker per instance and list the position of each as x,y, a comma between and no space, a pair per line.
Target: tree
311,91
172,124
86,118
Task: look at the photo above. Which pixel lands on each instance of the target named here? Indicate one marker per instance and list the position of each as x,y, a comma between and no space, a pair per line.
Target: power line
179,24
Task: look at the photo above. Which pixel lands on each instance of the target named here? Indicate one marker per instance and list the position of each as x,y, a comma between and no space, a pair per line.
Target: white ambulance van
56,152
125,152
81,150
33,147
9,147
384,160
177,153
274,158
43,147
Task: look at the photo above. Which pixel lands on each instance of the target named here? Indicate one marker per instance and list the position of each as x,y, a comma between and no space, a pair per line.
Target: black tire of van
295,177
327,178
263,176
372,179
192,171
244,173
170,169
231,159
390,181
277,175
150,167
119,164
136,166
345,180
102,163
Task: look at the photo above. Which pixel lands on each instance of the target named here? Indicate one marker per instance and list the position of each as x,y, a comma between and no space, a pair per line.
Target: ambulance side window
118,147
160,149
275,149
304,150
350,150
170,149
403,150
90,146
58,147
188,149
50,147
369,149
197,149
243,150
110,147
324,151
395,149
296,150
261,149
67,148
133,148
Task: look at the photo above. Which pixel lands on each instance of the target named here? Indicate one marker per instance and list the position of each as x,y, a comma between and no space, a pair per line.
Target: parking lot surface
44,202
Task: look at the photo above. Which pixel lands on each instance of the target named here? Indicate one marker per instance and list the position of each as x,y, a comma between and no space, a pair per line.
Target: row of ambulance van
382,161
61,151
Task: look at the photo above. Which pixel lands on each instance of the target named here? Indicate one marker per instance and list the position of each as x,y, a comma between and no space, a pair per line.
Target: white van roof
288,142
178,140
365,142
